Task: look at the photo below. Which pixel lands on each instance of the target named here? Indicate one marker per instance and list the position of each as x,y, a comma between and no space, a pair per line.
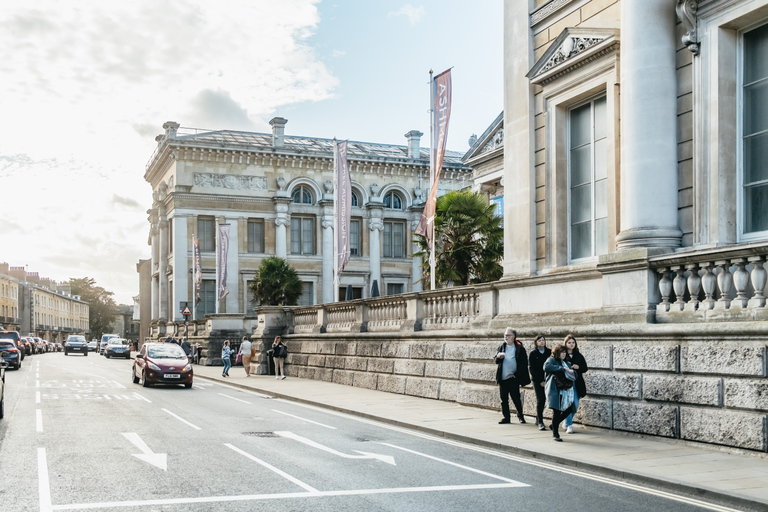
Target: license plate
171,376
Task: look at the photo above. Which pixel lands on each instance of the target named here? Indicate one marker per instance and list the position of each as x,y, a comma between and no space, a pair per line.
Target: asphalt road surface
79,435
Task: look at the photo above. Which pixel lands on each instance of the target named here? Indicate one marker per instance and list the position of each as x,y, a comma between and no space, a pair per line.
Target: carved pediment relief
491,140
573,48
229,181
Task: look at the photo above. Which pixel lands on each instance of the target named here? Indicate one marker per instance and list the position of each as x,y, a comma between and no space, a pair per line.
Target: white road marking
365,455
39,420
37,383
304,419
107,397
273,468
145,399
37,397
37,375
233,398
44,487
118,384
147,455
182,420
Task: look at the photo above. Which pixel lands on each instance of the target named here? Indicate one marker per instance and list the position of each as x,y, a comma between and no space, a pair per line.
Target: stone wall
696,388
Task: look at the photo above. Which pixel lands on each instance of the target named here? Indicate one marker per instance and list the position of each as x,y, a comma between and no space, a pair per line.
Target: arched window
355,199
393,201
302,195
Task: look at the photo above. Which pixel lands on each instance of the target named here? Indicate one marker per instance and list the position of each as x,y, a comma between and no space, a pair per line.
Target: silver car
117,347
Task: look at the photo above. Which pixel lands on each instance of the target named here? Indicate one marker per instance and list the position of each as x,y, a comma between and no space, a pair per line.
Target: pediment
573,48
491,139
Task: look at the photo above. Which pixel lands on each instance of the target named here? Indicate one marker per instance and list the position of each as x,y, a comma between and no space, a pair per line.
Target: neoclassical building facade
276,193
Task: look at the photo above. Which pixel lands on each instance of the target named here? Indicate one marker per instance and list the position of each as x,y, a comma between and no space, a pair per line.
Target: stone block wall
705,390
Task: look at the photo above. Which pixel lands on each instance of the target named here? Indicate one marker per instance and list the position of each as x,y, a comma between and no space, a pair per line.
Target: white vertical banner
342,206
222,250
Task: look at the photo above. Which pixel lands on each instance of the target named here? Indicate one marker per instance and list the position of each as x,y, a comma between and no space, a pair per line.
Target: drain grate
260,434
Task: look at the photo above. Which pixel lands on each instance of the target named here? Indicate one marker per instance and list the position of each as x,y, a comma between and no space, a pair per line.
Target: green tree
276,283
469,241
101,306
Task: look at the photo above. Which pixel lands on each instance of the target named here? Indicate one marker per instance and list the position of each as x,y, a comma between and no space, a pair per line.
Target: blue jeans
569,419
227,364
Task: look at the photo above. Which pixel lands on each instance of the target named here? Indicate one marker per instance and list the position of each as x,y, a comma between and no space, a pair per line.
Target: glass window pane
601,236
601,118
581,240
756,107
581,165
581,125
387,239
756,54
601,159
388,200
307,238
307,295
601,199
397,240
296,196
581,203
295,236
756,158
355,200
307,196
397,203
756,206
354,238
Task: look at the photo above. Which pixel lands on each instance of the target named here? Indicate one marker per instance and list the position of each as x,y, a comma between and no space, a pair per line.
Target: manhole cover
260,434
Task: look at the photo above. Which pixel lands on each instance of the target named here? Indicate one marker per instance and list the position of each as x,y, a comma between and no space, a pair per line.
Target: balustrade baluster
724,283
741,282
708,281
679,285
665,288
694,286
759,277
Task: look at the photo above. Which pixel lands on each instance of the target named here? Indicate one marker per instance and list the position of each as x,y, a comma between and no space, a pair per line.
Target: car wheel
107,355
189,385
18,365
144,380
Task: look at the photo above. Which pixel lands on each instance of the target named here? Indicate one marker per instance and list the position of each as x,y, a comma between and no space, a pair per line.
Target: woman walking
536,359
579,364
226,357
559,388
245,352
279,353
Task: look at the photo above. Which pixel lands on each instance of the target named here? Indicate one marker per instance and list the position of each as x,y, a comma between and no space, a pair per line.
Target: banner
197,269
343,206
222,249
441,94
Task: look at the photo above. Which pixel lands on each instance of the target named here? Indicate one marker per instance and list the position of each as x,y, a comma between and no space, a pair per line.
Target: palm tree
469,240
276,283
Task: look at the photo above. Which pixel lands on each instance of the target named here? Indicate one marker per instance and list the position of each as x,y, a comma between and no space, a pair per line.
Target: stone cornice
547,10
572,49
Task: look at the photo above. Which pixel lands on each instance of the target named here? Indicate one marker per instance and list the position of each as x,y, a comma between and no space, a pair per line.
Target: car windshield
76,339
9,335
169,352
6,344
115,341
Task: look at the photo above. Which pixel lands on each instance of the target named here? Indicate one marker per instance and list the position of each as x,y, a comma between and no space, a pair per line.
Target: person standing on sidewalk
226,358
245,350
579,364
511,373
559,388
279,353
536,359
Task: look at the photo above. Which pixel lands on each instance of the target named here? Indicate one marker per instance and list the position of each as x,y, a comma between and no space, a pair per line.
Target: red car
162,363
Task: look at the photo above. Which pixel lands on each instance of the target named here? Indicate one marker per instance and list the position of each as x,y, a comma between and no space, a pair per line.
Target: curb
678,487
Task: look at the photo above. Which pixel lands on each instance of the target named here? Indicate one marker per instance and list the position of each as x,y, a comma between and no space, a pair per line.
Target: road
79,435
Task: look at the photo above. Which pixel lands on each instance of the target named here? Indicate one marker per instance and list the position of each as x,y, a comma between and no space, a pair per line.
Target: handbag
561,381
239,358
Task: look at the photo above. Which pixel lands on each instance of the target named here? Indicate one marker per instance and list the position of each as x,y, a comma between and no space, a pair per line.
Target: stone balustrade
305,319
450,309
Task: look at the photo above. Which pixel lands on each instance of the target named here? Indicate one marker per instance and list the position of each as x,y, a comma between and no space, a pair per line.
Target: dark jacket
551,367
537,364
578,359
280,350
521,374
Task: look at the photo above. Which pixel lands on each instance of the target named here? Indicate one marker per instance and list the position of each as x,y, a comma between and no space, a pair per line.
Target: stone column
163,262
328,264
415,262
155,263
281,222
180,265
376,225
648,125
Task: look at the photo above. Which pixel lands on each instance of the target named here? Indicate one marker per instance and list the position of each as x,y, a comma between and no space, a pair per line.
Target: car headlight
153,366
188,368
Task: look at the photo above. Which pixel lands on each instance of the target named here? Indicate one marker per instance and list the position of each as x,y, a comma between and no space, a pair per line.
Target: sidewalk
707,472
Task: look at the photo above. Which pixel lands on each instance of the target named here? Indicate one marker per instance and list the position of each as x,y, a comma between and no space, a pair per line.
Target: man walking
511,373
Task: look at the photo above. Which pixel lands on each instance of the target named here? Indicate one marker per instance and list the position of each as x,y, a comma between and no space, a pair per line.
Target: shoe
504,421
521,418
551,427
542,427
569,429
283,377
277,377
557,439
223,374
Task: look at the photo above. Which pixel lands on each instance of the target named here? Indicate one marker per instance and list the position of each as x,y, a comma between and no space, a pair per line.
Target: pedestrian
579,364
187,349
559,388
537,357
245,351
511,373
226,358
279,353
198,353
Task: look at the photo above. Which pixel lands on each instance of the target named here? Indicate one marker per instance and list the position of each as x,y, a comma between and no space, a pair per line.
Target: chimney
19,273
33,277
170,128
414,138
4,268
278,131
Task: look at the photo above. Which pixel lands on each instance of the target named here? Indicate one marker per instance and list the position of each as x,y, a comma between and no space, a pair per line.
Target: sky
88,84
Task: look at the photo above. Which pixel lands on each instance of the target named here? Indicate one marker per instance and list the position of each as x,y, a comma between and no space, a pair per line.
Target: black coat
578,359
521,374
537,364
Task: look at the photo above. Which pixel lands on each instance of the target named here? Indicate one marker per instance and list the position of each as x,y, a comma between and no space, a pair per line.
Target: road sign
186,311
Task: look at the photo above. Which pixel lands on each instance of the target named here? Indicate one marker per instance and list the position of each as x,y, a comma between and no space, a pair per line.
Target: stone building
9,299
276,193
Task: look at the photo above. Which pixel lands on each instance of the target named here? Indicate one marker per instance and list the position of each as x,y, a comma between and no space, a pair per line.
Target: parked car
103,342
3,366
17,341
39,345
28,349
162,363
93,345
76,343
59,347
117,347
10,353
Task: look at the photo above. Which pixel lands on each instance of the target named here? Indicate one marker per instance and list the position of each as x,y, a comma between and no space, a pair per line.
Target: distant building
9,299
124,324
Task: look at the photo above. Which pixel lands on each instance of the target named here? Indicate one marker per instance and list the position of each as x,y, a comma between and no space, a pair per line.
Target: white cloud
414,14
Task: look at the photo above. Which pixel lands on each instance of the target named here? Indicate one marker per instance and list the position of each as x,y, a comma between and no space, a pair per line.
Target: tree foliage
276,283
469,241
102,307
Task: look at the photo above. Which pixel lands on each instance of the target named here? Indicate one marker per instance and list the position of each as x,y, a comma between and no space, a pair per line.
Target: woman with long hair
536,359
280,352
579,364
226,358
559,388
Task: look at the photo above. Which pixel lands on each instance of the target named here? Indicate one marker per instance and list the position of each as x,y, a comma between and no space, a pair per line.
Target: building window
207,304
355,199
394,239
302,195
255,236
206,234
307,294
394,288
393,201
357,293
588,180
302,235
354,238
755,130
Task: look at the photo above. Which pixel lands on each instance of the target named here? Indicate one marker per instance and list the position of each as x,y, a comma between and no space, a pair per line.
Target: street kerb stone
613,384
746,394
423,387
646,356
725,358
392,383
442,369
732,428
658,420
684,389
479,372
409,367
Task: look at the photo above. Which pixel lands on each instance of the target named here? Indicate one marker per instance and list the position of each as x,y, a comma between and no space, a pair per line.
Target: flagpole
194,281
431,178
335,223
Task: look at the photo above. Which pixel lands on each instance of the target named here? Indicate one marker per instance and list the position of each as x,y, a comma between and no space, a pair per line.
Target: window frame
355,247
303,191
250,244
393,194
304,220
392,223
203,241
